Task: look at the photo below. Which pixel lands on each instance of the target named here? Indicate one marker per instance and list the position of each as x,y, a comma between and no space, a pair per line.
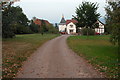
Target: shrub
88,31
34,28
7,33
21,29
53,30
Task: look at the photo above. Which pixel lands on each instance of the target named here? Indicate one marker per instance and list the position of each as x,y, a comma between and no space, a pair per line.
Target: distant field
18,49
98,51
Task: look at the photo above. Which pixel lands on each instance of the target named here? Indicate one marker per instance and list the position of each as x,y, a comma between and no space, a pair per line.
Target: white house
71,28
67,26
101,27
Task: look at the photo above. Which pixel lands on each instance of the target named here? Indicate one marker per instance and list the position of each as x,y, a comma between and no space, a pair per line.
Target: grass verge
98,51
18,49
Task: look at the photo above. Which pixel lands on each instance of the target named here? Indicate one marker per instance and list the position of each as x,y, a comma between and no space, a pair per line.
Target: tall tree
86,14
113,21
56,25
18,16
43,27
34,27
7,31
12,19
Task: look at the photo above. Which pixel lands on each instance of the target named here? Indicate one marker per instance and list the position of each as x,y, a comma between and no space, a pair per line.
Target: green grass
16,50
98,51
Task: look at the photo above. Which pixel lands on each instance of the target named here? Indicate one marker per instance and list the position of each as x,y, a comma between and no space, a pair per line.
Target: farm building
69,26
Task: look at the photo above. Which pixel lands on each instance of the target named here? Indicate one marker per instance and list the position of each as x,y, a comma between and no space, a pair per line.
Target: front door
71,31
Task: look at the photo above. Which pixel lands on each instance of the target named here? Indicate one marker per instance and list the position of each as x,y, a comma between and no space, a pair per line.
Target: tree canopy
14,21
35,28
86,14
113,21
7,31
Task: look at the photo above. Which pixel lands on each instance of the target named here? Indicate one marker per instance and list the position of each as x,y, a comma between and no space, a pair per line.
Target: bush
7,31
115,34
34,27
53,30
48,29
21,29
88,31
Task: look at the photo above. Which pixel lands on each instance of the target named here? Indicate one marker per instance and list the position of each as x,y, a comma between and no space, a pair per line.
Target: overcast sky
52,10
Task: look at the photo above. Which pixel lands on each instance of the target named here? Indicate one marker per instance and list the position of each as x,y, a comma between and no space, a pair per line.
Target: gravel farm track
54,59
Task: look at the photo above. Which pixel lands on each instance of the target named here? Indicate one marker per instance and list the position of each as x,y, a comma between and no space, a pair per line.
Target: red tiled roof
39,22
69,21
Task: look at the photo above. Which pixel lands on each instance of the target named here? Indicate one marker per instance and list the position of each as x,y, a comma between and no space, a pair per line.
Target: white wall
101,25
100,29
71,28
62,28
68,28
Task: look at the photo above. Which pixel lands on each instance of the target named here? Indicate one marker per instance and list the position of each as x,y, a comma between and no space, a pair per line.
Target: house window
71,31
71,26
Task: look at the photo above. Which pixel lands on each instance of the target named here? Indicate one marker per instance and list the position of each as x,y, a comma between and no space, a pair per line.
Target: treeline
14,21
43,27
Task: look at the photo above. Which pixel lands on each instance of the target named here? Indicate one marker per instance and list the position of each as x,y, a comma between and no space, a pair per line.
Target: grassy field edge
98,51
16,50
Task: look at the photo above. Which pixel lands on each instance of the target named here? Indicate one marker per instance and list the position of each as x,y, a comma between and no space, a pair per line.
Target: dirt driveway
55,60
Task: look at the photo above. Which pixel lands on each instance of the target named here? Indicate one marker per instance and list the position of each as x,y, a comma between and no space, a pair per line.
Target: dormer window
71,26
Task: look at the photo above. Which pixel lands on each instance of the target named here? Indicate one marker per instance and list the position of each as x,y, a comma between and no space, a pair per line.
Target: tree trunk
119,44
87,34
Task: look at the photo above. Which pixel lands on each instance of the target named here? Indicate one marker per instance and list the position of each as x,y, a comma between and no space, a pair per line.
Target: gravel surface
55,60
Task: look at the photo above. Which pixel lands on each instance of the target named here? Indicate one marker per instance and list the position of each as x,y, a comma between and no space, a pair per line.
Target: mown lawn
98,51
18,49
